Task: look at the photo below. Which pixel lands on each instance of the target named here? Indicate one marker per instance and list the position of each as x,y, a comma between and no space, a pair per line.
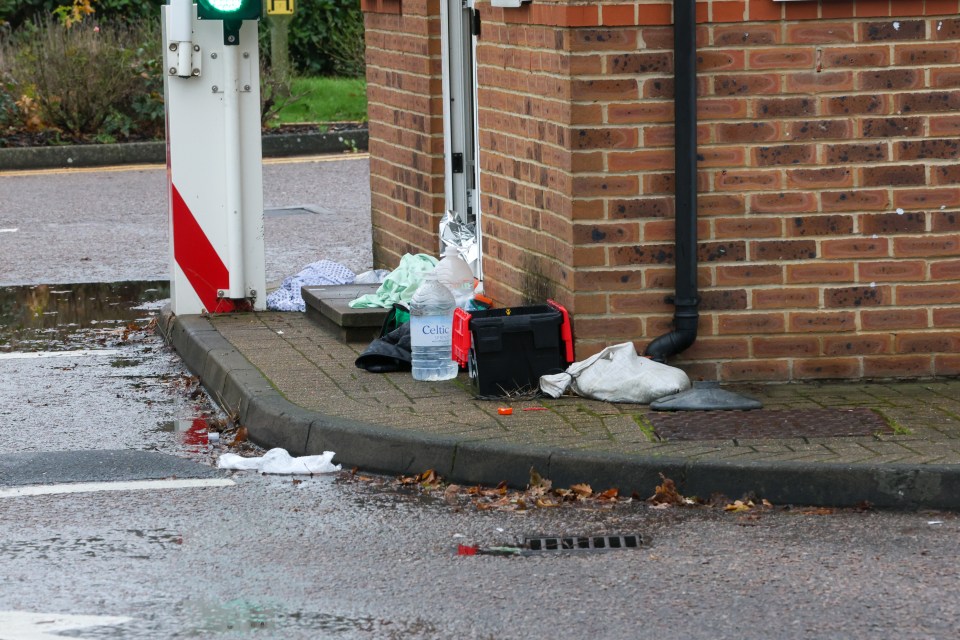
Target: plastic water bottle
431,331
455,273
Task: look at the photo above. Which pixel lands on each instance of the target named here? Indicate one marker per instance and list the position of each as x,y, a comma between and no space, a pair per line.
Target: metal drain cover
763,423
583,543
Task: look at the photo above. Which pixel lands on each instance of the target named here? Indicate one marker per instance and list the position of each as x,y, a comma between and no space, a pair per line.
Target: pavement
294,385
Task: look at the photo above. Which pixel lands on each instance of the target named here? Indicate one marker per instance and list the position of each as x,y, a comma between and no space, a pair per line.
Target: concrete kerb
273,421
99,155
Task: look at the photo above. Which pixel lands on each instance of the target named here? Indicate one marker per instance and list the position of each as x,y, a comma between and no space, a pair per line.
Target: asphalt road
339,556
109,225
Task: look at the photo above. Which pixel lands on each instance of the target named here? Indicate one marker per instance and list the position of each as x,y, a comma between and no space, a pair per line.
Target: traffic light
228,9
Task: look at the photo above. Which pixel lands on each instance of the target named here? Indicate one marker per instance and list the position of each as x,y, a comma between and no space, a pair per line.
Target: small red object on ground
467,549
505,411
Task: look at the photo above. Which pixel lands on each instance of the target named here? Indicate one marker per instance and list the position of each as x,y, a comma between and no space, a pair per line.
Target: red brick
927,149
723,300
720,204
749,275
754,370
890,31
926,54
785,346
928,102
720,108
822,321
855,248
612,233
608,89
784,155
820,272
826,368
750,323
856,56
894,176
897,366
616,15
945,270
820,33
640,63
946,78
890,80
721,157
707,348
752,227
813,82
642,160
608,280
891,127
917,294
782,58
819,225
639,302
944,126
856,104
801,11
779,250
790,202
720,60
927,198
887,223
748,180
949,317
940,7
892,271
746,132
928,342
586,186
737,36
746,84
609,328
856,345
946,365
607,138
641,112
640,208
859,296
786,298
832,178
837,10
763,10
893,319
858,200
926,247
853,153
785,107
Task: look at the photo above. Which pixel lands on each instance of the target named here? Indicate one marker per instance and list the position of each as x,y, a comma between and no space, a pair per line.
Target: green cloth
401,283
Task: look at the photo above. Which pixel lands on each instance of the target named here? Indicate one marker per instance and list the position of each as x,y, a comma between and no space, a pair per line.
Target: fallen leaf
539,482
546,503
582,490
240,436
608,495
738,506
666,493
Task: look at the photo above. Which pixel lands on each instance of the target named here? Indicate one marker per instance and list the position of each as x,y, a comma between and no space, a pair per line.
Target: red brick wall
406,126
829,200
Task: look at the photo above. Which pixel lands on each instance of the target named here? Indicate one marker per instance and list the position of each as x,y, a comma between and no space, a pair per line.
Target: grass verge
325,100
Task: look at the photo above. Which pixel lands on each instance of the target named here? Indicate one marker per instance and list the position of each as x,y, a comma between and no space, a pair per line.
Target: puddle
70,317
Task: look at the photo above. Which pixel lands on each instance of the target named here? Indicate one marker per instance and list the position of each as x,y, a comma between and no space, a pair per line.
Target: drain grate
763,423
583,543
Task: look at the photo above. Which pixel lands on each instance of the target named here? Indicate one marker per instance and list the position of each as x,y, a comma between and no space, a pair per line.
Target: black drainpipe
686,299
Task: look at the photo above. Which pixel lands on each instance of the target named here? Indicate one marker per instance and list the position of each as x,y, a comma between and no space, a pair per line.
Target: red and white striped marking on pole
213,164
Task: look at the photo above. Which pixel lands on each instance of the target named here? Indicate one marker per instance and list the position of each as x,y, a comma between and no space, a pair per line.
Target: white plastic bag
278,461
617,374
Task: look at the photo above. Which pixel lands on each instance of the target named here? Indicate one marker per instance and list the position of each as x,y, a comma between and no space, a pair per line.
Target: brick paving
917,422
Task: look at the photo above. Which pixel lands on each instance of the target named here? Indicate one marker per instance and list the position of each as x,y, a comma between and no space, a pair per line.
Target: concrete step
327,306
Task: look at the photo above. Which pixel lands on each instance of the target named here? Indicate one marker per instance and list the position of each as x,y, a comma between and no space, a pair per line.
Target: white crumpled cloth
278,461
289,298
617,374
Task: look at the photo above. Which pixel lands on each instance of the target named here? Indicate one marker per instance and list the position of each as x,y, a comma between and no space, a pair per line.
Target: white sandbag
617,374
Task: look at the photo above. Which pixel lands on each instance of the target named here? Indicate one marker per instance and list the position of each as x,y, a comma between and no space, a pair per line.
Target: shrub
326,37
92,79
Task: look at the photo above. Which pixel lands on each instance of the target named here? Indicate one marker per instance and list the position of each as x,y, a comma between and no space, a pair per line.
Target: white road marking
26,625
58,354
129,485
11,230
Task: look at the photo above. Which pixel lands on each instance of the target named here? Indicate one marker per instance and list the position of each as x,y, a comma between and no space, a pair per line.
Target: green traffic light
228,9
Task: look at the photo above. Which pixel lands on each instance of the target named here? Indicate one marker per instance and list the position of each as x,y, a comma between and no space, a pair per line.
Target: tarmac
293,384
